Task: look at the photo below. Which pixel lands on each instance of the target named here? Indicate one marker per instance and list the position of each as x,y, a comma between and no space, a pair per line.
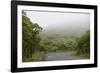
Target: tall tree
83,47
30,36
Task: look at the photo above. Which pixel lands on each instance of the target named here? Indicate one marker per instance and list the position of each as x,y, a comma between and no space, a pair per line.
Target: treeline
57,43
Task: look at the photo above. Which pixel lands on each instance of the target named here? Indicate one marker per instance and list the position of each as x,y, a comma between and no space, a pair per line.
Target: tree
30,36
83,47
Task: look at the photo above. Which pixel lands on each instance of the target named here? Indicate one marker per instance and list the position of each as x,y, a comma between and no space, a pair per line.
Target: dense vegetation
35,44
83,47
57,43
30,37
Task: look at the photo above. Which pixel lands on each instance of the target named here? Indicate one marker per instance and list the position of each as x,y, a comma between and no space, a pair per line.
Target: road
52,56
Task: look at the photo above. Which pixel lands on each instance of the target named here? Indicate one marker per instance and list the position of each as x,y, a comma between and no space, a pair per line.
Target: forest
35,44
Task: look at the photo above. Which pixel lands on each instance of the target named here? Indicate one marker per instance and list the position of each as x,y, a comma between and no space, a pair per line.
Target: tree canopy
30,36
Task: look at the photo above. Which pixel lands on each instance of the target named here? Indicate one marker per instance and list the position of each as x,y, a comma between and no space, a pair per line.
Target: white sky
63,22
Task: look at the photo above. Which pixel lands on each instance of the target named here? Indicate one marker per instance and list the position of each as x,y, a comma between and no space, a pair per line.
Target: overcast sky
59,22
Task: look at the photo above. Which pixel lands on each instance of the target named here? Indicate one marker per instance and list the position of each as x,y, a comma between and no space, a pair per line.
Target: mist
65,23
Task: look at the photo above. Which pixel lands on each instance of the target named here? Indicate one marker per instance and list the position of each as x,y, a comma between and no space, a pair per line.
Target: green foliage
30,36
83,47
63,43
58,43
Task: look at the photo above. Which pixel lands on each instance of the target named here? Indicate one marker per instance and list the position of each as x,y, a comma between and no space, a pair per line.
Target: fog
66,23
